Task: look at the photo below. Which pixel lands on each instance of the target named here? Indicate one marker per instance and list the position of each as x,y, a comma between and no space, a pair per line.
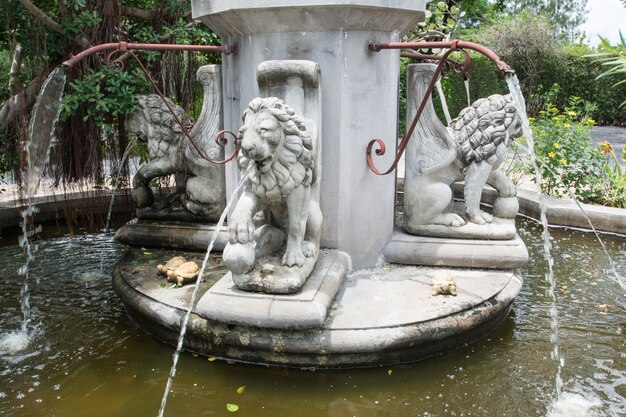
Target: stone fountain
316,271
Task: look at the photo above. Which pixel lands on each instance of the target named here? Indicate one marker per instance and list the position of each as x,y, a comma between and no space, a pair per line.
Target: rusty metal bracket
461,67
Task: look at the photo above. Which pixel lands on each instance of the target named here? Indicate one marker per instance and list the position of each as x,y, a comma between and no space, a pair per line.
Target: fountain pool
87,358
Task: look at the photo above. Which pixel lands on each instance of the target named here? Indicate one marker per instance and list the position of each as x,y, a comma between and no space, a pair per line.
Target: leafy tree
37,35
566,15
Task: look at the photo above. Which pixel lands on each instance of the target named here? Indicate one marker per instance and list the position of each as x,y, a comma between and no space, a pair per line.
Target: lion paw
509,190
309,249
481,217
241,230
293,257
449,219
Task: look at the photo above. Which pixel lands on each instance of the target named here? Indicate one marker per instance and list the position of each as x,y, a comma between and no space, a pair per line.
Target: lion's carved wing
209,123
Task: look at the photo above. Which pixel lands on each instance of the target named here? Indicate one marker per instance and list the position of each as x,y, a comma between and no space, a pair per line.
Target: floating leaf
211,359
147,253
232,407
241,389
173,286
389,371
162,285
153,261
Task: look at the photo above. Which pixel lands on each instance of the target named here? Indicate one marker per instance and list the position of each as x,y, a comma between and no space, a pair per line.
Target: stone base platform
378,317
170,234
407,249
306,309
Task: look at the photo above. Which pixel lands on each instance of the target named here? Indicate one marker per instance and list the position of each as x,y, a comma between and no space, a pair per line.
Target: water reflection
87,357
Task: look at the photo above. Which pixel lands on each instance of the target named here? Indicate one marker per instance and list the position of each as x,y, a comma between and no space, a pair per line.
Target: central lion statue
278,159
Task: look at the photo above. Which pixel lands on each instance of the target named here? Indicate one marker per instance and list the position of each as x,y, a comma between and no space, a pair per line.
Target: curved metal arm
124,46
455,44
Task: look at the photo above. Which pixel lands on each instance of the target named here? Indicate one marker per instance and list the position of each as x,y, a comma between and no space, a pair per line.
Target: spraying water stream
183,327
116,178
43,122
41,131
520,104
467,91
444,103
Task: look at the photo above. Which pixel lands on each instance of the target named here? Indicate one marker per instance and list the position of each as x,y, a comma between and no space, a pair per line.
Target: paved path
615,135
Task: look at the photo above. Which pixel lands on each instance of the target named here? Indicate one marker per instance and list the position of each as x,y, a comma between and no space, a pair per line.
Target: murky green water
88,359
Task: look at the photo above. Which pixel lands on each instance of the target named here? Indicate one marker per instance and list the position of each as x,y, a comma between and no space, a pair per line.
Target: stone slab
409,249
175,235
260,16
498,229
379,316
306,309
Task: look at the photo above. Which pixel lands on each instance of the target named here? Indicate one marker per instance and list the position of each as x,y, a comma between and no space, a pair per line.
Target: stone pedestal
359,97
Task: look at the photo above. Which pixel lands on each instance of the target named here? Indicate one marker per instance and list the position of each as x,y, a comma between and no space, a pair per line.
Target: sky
606,18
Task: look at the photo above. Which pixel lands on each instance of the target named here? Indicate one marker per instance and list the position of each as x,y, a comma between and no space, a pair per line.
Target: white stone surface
407,249
225,303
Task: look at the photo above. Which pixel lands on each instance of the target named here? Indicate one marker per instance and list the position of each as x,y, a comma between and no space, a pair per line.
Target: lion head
482,127
276,148
154,120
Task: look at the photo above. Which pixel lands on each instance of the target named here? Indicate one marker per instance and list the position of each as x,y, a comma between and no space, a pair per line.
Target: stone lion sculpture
482,132
169,153
471,149
278,158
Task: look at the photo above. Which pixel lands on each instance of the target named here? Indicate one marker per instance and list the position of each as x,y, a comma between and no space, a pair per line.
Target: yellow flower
551,154
591,122
606,148
566,124
564,161
571,113
531,119
556,145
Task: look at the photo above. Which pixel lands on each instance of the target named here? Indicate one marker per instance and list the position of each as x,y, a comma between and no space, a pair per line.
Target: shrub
566,162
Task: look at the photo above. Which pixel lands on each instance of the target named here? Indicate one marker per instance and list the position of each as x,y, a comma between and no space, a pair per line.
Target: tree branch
16,65
50,23
137,13
21,102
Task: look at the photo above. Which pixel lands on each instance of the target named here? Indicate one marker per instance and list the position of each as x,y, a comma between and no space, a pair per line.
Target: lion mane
481,128
294,163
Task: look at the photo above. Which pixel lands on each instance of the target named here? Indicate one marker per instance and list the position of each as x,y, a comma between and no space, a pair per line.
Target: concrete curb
560,212
78,205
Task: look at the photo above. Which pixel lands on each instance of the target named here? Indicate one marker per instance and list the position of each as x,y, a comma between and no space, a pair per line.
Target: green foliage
562,148
108,93
576,74
616,193
525,42
565,15
613,57
75,24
